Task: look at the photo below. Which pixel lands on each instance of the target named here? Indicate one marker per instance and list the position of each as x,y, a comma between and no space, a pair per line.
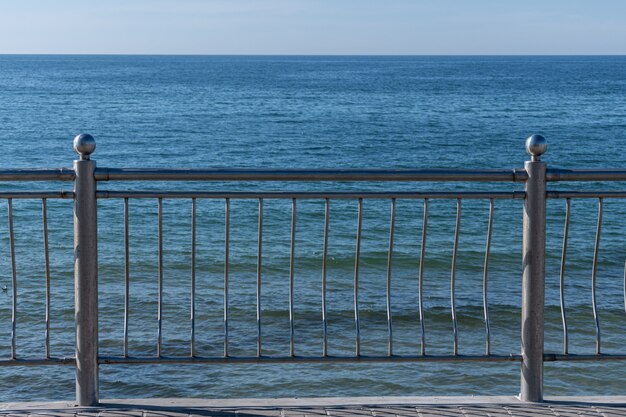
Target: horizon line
306,55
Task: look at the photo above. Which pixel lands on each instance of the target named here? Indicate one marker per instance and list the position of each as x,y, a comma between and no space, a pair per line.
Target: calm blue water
457,112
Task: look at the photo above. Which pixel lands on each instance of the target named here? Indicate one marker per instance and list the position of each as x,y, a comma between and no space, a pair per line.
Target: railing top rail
616,174
48,174
276,174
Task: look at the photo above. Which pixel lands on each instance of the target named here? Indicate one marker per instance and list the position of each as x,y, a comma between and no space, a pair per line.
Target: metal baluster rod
160,278
486,281
624,286
324,272
562,276
420,290
193,278
126,276
594,270
226,262
86,272
392,226
455,252
533,272
13,281
46,253
258,278
357,256
292,255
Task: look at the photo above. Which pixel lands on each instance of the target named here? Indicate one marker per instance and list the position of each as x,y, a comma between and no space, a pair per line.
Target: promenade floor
331,407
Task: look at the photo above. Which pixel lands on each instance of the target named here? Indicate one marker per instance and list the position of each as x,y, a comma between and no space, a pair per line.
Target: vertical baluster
421,279
291,277
593,276
324,272
226,262
46,254
258,279
392,225
160,272
455,252
13,281
486,280
357,256
126,276
193,278
562,275
624,286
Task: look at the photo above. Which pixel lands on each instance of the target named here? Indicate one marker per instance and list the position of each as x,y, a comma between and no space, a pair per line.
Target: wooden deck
331,407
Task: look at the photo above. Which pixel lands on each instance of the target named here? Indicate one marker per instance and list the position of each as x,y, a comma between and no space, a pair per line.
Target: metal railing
85,176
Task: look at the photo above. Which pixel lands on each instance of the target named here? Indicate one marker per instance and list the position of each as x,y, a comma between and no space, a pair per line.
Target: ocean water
312,112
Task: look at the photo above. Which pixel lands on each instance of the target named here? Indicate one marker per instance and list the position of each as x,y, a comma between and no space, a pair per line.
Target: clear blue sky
313,26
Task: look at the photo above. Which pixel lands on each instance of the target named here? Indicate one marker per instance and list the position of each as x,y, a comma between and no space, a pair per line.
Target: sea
466,112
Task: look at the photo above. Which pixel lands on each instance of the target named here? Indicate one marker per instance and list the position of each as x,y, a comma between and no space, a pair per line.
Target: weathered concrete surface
340,407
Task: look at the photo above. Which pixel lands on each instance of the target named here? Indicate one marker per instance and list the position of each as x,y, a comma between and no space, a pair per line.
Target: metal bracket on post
533,272
86,272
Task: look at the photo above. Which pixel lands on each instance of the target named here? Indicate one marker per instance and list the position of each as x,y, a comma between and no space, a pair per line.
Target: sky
319,27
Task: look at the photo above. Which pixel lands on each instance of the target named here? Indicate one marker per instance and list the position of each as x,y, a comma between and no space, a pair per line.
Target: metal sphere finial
84,145
536,145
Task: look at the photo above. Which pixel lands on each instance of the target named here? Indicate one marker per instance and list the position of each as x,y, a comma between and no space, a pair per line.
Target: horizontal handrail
276,174
58,174
355,174
615,174
310,195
